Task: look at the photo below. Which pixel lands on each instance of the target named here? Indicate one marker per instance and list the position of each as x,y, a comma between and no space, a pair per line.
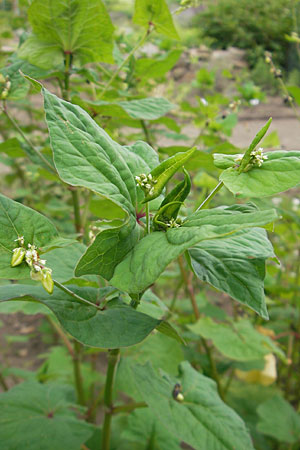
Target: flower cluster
174,223
38,272
257,157
5,85
146,182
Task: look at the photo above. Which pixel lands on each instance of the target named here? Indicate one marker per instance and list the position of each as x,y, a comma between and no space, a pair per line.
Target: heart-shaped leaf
280,172
111,327
36,415
156,13
81,28
143,265
237,340
236,265
201,420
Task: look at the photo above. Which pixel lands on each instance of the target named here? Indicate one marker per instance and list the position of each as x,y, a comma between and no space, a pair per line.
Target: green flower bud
47,281
18,256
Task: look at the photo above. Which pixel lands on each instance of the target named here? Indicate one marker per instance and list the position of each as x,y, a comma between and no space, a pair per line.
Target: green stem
128,407
147,219
191,293
116,73
68,66
214,371
76,207
78,374
146,132
3,382
113,359
211,195
72,294
135,300
36,151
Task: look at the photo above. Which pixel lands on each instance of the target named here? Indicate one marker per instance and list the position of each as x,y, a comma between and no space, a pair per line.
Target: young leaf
201,420
254,143
236,265
35,415
108,250
81,28
280,172
149,258
149,12
237,340
146,68
279,420
164,172
111,327
17,220
170,206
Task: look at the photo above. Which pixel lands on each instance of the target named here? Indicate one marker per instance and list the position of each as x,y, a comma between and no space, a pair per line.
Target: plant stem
116,73
72,294
62,335
211,195
147,219
135,300
68,67
146,132
214,371
36,151
76,207
189,288
113,359
128,407
78,374
3,382
191,293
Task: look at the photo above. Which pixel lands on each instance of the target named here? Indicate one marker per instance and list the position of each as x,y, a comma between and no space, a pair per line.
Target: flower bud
18,256
47,281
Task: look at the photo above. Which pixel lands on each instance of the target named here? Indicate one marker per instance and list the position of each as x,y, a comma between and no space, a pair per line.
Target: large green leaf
41,416
111,327
150,108
11,147
201,420
279,420
281,171
144,431
85,155
17,220
236,340
156,13
148,259
62,261
236,265
81,28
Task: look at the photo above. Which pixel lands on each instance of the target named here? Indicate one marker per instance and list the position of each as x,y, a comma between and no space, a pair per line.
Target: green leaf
236,340
85,155
108,250
81,28
150,108
110,327
236,266
247,156
201,420
157,13
279,420
146,68
12,148
172,203
144,430
167,329
35,416
143,265
280,172
164,172
62,261
17,220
